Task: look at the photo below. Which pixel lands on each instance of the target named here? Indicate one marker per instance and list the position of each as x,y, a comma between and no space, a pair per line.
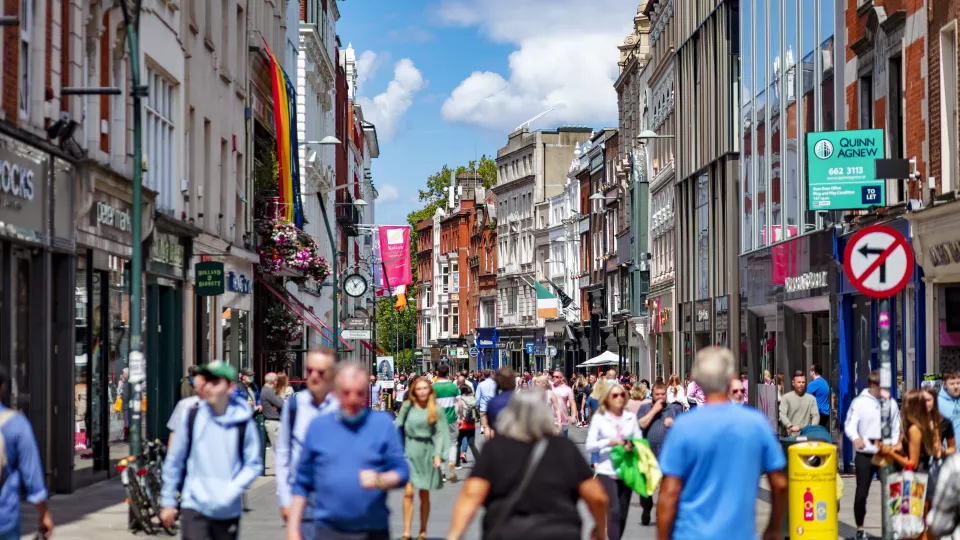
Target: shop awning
305,314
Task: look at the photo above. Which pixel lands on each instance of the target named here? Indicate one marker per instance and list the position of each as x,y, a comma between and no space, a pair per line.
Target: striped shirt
447,394
656,432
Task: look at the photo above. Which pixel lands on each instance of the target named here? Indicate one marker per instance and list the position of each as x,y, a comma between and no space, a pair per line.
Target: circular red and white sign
878,261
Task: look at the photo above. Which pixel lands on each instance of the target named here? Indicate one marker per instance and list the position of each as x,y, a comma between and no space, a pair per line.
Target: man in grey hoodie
214,461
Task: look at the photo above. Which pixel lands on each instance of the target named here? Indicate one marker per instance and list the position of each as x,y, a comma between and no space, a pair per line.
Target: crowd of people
669,442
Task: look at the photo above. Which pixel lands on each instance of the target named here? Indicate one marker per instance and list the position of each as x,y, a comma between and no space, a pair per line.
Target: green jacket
638,469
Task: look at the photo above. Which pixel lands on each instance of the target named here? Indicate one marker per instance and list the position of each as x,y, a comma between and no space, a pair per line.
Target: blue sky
445,81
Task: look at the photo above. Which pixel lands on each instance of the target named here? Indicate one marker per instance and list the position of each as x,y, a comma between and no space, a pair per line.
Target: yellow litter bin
812,485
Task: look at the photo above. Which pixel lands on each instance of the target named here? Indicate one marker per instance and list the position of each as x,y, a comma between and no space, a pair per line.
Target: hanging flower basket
285,245
282,326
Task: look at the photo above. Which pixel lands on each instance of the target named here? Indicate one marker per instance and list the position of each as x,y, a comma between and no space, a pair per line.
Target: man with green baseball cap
224,456
219,369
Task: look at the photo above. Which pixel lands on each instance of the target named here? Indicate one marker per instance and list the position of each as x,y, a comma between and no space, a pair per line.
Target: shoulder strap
191,420
292,405
242,437
506,508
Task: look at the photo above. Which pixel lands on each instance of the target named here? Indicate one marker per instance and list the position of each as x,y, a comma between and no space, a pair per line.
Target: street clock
355,285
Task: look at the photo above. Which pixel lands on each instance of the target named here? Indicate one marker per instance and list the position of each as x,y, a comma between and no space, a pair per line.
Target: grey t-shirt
656,432
181,409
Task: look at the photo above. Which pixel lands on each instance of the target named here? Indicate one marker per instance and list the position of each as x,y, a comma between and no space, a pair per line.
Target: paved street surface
95,514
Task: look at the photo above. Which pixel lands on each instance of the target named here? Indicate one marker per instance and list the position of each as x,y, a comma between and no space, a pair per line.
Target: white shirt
182,406
863,422
677,395
289,442
605,427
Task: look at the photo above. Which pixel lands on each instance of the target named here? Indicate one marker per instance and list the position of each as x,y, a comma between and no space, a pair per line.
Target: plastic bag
907,494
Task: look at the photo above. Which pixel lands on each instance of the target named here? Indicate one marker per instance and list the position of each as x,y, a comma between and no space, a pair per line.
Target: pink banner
395,254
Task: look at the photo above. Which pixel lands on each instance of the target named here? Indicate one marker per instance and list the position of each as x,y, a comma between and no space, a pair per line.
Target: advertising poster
385,371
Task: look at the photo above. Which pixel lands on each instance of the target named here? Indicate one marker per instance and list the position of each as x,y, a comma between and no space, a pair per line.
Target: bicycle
142,479
141,511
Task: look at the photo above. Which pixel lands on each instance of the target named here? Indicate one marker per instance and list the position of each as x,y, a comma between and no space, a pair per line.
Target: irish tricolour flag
547,305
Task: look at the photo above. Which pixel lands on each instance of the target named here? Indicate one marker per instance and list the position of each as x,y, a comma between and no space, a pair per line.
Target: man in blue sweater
213,462
355,453
820,390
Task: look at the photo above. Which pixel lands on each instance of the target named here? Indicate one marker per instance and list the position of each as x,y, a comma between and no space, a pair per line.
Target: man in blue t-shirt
819,389
708,491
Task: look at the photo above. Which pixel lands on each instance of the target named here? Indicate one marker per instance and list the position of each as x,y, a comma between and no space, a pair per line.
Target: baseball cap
220,370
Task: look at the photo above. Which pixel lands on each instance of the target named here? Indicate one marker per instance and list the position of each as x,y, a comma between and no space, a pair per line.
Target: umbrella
606,359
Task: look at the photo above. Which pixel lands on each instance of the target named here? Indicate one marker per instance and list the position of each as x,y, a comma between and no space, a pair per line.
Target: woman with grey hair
529,480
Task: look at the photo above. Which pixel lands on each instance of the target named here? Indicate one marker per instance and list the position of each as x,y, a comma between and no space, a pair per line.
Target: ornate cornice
662,13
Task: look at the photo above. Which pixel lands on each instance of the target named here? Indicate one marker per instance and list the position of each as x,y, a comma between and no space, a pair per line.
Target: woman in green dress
426,441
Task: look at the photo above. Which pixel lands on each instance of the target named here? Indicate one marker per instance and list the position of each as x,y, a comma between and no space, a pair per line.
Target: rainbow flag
284,122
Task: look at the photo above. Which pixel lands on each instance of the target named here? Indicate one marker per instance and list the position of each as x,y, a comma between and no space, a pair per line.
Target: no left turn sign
878,261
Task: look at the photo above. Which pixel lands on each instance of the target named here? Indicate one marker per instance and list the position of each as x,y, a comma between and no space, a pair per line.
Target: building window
444,320
948,106
866,102
444,279
454,277
455,315
159,135
26,37
703,236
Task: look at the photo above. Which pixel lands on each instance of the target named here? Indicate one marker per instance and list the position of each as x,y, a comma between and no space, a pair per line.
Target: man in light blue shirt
486,390
22,468
820,390
306,405
709,492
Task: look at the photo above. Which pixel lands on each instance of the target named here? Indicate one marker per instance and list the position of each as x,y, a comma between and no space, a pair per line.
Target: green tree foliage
389,320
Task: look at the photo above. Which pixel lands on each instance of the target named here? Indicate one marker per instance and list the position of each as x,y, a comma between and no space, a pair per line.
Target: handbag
907,492
118,405
511,502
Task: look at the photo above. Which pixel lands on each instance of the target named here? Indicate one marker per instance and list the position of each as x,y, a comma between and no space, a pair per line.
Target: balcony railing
348,216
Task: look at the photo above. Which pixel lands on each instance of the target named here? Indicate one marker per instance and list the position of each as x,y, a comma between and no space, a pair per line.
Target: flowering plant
282,326
285,245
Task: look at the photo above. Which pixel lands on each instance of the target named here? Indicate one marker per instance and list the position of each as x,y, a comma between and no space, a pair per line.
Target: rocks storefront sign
23,188
945,253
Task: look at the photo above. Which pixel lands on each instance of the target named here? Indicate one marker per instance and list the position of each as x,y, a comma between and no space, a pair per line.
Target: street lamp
599,197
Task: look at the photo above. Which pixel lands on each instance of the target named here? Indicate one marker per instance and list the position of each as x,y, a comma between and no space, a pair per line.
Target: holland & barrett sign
842,167
209,278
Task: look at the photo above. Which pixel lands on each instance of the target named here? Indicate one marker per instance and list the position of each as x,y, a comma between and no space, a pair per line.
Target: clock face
355,285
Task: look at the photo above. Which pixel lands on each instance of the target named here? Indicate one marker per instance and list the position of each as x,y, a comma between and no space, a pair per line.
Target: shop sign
842,169
208,277
504,345
238,283
23,180
806,282
486,338
111,216
945,253
167,250
703,308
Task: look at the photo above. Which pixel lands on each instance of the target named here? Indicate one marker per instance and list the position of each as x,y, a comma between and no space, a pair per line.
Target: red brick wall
65,50
915,92
880,113
853,118
11,64
942,12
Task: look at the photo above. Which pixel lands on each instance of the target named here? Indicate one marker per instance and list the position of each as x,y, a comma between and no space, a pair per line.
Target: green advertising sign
209,278
841,170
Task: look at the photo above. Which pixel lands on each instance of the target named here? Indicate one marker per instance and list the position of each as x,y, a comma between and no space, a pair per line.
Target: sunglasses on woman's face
617,394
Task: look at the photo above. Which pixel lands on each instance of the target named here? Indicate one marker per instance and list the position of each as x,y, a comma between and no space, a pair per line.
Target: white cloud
387,193
367,65
385,110
568,60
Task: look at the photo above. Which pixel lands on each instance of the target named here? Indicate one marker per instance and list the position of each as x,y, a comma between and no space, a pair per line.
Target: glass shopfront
102,348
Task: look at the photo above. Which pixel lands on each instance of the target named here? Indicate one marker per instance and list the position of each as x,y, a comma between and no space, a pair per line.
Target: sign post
878,261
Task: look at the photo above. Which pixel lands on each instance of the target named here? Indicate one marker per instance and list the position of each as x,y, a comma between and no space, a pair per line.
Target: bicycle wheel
152,485
139,506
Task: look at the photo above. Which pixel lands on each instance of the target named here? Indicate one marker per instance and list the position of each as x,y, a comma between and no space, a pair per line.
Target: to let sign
208,277
842,169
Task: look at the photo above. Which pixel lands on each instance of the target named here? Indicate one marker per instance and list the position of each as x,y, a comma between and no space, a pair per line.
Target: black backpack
471,414
191,420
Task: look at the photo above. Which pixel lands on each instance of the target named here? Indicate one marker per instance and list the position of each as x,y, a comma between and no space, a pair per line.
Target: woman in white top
612,426
676,393
550,399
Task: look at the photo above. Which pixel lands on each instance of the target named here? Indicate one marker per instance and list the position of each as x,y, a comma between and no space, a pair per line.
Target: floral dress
423,442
